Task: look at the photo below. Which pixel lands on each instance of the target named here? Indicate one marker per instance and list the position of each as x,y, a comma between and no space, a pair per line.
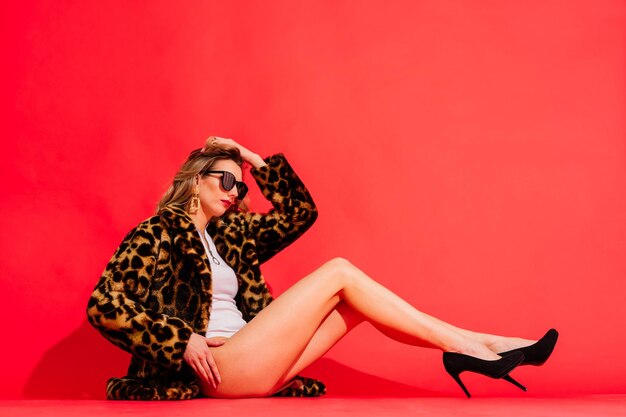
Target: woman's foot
537,353
505,344
476,350
455,363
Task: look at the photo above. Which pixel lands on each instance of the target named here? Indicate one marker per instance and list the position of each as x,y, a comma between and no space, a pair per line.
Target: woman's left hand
253,159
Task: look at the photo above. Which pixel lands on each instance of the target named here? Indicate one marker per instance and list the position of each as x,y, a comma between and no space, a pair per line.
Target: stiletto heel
536,354
457,378
455,363
514,382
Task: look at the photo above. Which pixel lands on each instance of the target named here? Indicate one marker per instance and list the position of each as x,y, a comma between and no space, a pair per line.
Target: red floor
588,406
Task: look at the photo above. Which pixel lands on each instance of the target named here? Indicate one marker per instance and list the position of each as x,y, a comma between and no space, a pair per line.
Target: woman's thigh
336,325
261,357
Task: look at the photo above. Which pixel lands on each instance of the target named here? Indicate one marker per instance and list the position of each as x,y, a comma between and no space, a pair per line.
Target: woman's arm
117,306
293,209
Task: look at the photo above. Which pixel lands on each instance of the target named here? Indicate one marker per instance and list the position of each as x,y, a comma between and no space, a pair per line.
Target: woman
185,296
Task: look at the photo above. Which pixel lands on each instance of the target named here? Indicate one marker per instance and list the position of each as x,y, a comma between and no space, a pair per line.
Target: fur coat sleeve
293,212
119,307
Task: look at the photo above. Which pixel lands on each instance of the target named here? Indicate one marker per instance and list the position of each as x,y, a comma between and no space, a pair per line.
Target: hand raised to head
252,158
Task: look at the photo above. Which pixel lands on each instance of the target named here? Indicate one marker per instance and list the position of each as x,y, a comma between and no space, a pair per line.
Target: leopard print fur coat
156,289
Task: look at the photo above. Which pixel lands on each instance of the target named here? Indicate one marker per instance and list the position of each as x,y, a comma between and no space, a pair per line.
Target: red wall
469,155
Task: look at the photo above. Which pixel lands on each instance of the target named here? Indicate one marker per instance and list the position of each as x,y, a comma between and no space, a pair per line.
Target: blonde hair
200,160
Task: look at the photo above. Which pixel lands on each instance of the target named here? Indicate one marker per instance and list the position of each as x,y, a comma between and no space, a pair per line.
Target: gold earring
194,205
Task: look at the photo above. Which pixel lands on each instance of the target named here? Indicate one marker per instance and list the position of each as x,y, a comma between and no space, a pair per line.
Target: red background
468,155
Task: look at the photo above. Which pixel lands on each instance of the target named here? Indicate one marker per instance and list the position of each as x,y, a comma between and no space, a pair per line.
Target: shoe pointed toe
539,352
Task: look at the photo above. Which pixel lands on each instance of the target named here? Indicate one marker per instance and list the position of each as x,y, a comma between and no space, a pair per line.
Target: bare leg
495,343
336,325
304,322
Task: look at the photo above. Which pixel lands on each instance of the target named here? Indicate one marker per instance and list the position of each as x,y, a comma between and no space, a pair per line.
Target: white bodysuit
225,319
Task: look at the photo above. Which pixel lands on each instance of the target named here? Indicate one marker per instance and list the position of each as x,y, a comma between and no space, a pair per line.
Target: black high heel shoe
536,354
455,363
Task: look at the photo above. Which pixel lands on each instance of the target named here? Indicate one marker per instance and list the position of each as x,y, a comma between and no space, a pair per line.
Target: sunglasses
229,181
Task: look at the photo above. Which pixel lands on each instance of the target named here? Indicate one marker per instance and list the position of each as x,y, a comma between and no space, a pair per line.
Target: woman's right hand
253,159
198,356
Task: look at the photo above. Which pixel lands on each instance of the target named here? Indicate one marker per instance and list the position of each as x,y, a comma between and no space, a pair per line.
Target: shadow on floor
79,366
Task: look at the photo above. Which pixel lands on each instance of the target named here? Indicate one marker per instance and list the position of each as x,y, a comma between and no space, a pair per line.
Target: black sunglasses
229,181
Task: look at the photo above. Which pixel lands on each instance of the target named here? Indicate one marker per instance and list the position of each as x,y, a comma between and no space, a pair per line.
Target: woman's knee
341,268
340,265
